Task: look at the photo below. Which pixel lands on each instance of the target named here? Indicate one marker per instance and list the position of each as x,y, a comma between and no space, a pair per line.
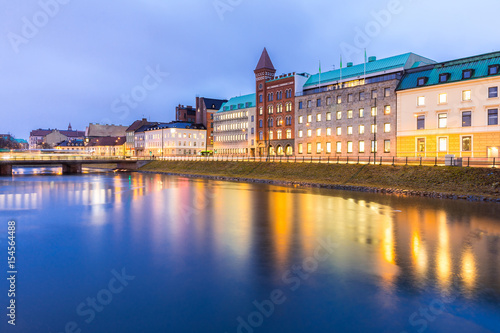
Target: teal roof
239,103
479,64
403,61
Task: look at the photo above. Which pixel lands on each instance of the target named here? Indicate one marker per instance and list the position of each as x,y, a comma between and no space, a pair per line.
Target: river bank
474,184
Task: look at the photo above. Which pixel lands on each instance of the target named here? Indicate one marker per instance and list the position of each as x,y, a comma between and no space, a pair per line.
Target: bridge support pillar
73,168
6,170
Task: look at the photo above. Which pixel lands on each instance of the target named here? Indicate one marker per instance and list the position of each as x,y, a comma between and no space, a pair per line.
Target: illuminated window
387,92
374,94
318,132
466,95
420,101
339,99
339,147
442,120
309,118
387,127
318,117
301,133
329,131
374,111
301,148
374,128
270,109
279,135
361,146
442,98
387,109
318,148
339,130
361,129
289,134
387,146
309,133
374,146
309,148
301,119
421,145
328,116
466,143
271,137
349,114
361,113
328,147
339,115
349,146
443,144
349,130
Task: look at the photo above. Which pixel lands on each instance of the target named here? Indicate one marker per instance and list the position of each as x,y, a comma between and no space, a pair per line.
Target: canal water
106,252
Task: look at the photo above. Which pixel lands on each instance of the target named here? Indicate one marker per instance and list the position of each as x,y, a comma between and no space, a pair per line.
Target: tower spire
265,61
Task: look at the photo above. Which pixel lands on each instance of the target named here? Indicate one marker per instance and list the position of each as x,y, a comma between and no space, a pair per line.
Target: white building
174,139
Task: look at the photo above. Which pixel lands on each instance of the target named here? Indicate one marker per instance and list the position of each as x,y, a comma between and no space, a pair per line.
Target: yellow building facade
450,109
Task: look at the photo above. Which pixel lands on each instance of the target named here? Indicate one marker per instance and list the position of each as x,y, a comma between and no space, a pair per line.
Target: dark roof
107,141
71,143
73,134
454,70
69,134
265,61
137,124
176,124
40,132
213,104
145,127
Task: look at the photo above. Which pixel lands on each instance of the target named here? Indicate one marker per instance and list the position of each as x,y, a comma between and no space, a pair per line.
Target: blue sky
115,61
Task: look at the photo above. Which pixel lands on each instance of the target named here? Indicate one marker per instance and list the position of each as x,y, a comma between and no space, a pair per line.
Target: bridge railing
73,158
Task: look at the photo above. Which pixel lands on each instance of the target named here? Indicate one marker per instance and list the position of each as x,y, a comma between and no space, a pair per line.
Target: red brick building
275,101
185,114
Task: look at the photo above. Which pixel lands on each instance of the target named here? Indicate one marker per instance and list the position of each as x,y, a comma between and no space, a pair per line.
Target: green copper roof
403,61
238,103
479,65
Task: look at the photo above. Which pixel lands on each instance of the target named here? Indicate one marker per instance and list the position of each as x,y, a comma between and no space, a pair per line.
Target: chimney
372,59
349,64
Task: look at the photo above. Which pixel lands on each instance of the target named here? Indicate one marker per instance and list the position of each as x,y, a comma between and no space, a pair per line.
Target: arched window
288,107
279,121
279,135
279,108
270,122
270,109
271,135
288,134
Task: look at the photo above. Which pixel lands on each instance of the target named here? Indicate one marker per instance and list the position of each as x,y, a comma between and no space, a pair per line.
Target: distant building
23,144
71,146
107,146
351,111
175,139
185,114
51,137
205,111
234,127
98,131
140,139
450,108
275,101
130,133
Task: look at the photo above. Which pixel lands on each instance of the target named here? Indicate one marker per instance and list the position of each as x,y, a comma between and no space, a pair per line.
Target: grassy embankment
446,180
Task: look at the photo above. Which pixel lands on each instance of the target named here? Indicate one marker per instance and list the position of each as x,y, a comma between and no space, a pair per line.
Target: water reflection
248,235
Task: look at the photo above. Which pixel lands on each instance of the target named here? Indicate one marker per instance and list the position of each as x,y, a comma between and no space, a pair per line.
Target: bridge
69,164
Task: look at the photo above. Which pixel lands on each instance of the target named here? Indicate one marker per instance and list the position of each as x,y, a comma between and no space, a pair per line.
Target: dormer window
421,81
444,77
467,74
493,70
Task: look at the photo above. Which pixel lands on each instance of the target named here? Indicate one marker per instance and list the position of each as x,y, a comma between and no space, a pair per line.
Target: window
301,133
309,148
289,134
421,122
328,101
387,128
374,94
492,92
374,111
328,147
260,111
467,74
349,114
300,105
339,99
339,147
361,96
374,128
349,146
261,136
309,133
279,95
361,129
329,131
387,92
270,97
442,120
361,146
421,145
252,130
252,119
466,143
442,98
339,130
443,77
387,146
279,135
493,70
260,123
271,136
270,109
466,95
309,118
361,113
493,117
443,144
387,109
349,98
309,104
301,151
349,130
328,116
260,98
374,146
318,148
270,122
279,108
466,118
420,101
288,107
339,115
318,132
279,121
318,117
421,81
318,102
301,119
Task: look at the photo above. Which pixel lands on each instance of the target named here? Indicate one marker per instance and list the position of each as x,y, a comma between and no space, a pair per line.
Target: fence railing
72,158
387,160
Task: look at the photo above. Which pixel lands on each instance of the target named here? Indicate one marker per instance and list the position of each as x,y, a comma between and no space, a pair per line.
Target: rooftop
479,65
265,61
239,103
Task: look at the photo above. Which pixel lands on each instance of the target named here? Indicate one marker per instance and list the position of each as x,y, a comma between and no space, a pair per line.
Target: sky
115,61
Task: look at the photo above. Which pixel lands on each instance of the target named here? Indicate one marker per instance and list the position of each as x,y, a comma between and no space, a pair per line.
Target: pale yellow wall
484,136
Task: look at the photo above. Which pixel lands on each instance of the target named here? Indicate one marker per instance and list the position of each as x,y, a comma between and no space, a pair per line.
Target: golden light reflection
388,243
468,269
443,261
419,254
281,219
